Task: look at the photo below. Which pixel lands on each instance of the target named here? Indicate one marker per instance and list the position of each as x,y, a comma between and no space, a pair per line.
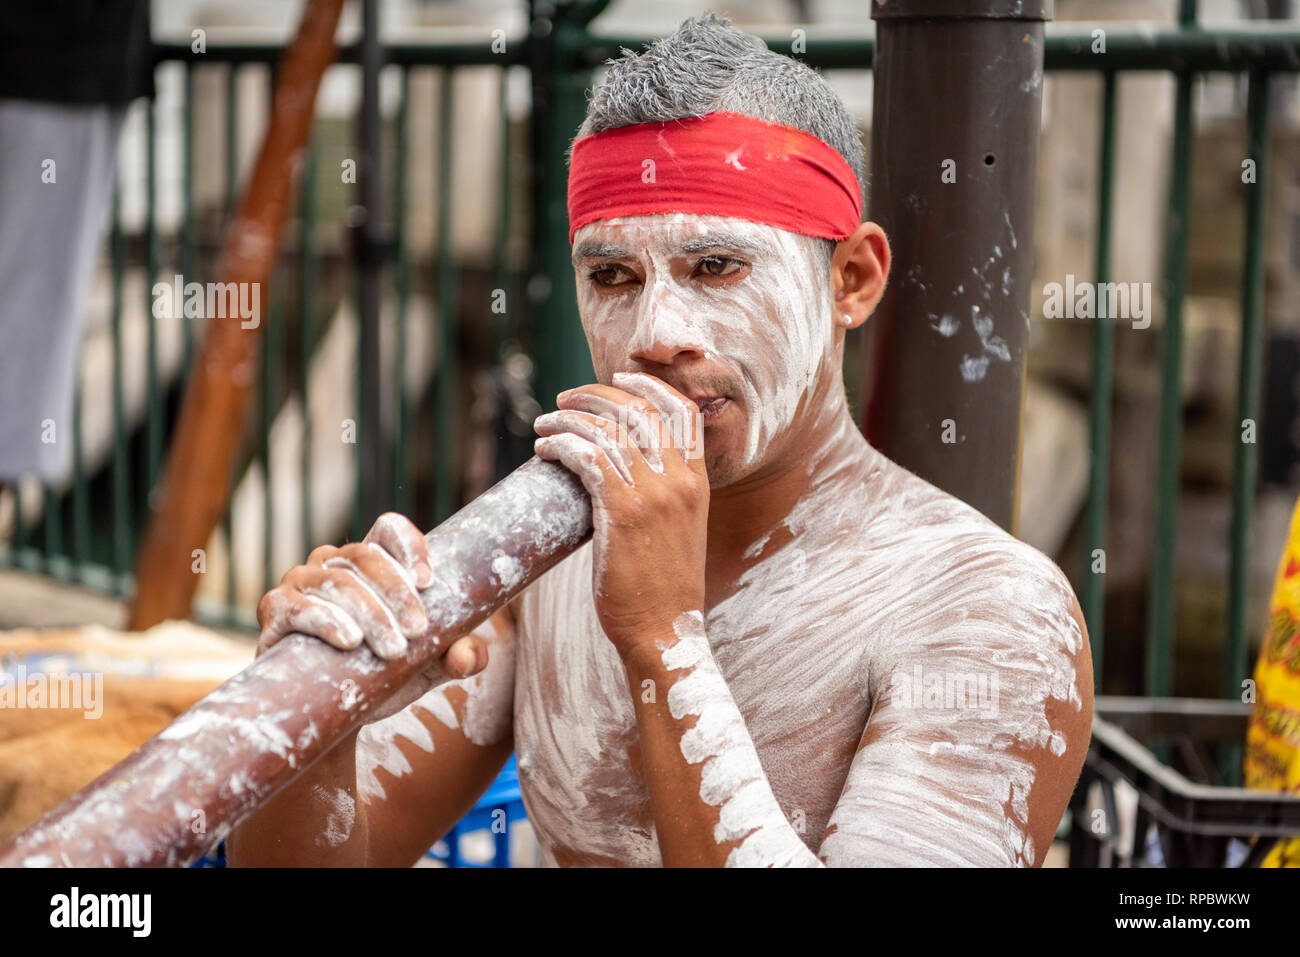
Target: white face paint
757,331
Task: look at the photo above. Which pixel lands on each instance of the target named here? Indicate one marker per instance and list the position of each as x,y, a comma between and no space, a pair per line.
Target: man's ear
859,269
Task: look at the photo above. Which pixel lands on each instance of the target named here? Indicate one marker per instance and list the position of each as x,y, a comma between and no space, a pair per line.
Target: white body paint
732,778
873,573
484,720
896,572
341,814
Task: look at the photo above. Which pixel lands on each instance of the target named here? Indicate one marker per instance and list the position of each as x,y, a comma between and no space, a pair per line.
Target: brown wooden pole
187,787
196,480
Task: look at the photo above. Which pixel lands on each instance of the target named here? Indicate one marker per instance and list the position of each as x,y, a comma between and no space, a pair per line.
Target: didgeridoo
187,787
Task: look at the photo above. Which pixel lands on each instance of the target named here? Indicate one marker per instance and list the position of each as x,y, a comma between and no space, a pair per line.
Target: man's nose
664,331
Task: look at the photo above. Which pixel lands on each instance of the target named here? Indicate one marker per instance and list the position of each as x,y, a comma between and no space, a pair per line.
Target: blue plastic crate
497,811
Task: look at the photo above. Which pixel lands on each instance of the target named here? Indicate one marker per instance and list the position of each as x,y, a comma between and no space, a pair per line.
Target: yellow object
1273,738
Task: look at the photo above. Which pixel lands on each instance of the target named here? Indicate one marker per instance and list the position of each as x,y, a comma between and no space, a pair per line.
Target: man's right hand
365,591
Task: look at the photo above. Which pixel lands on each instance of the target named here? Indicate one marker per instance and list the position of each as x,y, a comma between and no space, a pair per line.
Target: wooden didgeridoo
195,484
187,787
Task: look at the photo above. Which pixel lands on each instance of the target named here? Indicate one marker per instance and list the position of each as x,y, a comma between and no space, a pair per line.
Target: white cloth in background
49,237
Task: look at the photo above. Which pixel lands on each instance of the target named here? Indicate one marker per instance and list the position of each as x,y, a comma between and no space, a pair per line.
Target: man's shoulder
987,602
977,565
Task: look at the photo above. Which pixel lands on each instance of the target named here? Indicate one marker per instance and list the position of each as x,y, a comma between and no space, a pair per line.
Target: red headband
720,164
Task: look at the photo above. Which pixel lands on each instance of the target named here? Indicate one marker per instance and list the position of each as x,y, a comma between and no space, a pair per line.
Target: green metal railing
134,465
561,58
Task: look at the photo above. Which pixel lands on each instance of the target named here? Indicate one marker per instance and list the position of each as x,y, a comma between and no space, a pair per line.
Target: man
786,650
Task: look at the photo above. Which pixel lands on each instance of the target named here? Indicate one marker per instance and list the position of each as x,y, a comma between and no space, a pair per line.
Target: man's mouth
711,407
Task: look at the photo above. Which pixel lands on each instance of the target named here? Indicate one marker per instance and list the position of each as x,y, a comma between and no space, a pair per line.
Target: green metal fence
560,54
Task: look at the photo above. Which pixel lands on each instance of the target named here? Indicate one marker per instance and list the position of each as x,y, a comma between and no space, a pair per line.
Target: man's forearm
317,821
713,805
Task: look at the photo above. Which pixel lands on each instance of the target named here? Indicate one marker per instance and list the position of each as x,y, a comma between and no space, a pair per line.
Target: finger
639,419
340,584
680,414
615,442
466,657
399,536
368,618
586,460
357,593
292,610
388,581
320,553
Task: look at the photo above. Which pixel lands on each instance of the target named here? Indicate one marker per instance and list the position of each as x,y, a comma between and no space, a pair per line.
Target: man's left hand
637,446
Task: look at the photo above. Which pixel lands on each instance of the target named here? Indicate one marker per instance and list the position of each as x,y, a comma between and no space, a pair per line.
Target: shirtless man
786,650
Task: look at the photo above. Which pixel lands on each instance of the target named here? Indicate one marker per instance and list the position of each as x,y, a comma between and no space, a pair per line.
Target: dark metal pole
187,787
954,148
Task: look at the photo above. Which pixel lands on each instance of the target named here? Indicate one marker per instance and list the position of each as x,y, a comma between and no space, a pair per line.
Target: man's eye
714,265
605,271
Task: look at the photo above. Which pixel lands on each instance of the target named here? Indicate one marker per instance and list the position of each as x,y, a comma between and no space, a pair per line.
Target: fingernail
561,395
423,575
389,646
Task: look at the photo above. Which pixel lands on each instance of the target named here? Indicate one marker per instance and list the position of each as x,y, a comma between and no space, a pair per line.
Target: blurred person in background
68,71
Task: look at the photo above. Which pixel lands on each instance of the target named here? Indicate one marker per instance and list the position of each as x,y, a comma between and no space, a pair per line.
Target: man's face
731,313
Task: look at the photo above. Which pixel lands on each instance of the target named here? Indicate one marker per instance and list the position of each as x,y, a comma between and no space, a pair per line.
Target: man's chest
800,687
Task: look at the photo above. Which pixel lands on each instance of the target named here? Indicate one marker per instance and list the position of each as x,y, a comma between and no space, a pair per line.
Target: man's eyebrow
697,244
726,241
599,251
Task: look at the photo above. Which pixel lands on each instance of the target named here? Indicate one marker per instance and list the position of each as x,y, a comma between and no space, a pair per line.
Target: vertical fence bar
154,425
307,336
266,404
80,492
1160,620
20,527
1245,454
52,540
1103,384
376,485
501,245
401,413
123,523
187,250
448,339
232,186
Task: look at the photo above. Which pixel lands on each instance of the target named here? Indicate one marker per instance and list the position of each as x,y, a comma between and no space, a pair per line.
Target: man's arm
975,742
713,805
385,793
974,766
